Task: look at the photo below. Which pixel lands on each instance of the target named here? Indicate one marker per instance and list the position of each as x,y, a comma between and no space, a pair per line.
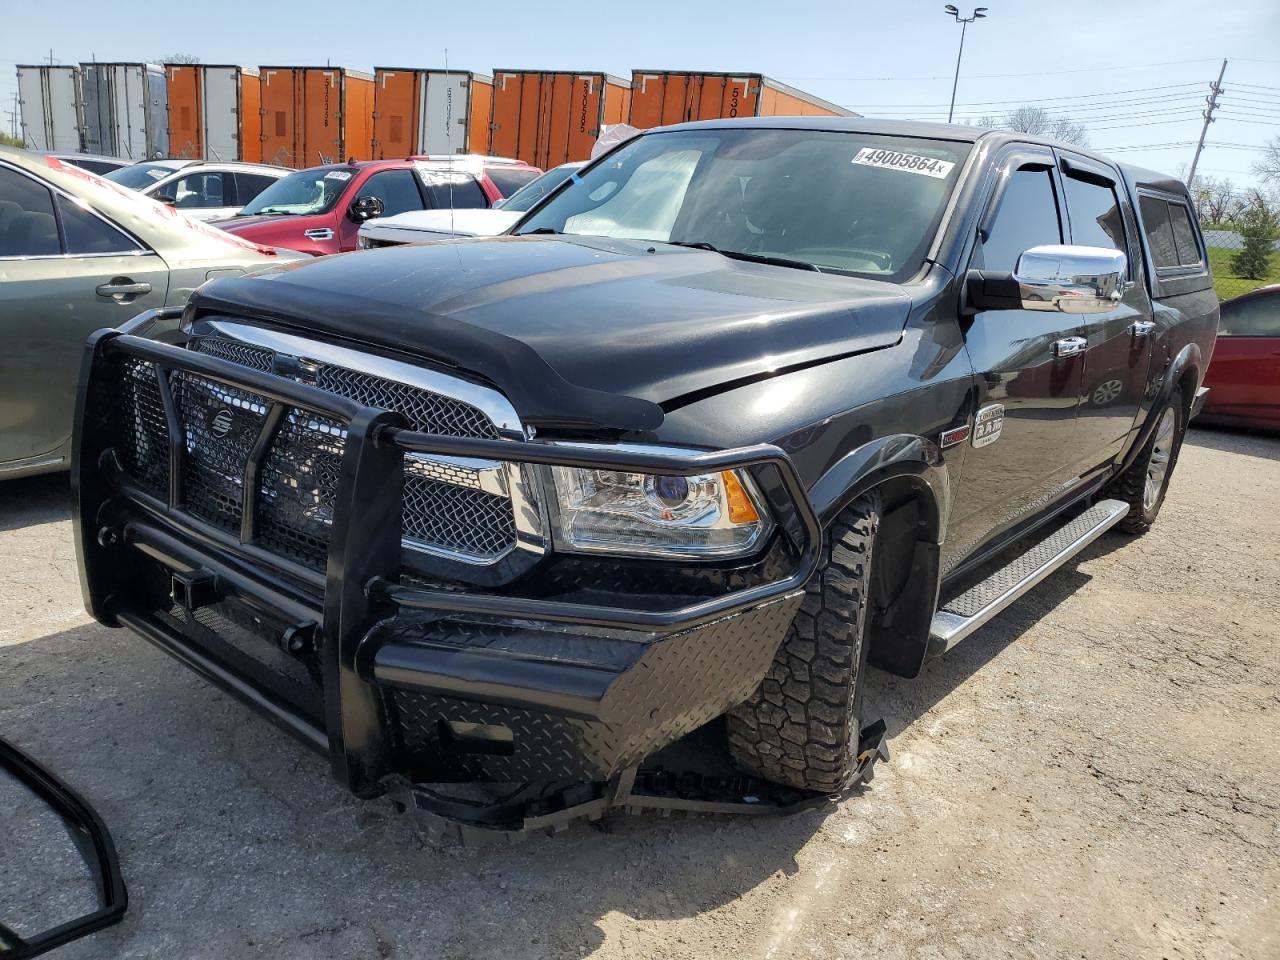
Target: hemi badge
951,437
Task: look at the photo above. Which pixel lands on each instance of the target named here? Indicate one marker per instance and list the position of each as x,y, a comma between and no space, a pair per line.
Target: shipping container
547,118
430,111
314,115
125,110
50,100
659,97
214,112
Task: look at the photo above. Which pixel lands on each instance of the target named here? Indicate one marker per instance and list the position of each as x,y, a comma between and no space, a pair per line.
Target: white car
204,189
418,226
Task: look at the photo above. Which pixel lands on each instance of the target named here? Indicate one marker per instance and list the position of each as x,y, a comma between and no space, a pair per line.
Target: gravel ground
1094,774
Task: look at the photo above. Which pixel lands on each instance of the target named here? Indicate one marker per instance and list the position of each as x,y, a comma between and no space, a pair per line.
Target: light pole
978,14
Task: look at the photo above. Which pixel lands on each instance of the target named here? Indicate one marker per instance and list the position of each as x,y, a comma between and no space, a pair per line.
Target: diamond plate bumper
391,678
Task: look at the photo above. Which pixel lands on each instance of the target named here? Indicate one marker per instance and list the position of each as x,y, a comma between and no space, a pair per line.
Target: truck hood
647,320
456,223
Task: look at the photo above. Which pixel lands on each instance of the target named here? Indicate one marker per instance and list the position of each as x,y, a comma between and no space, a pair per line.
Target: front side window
1096,217
533,191
850,203
397,189
1256,317
28,227
304,193
196,191
1027,217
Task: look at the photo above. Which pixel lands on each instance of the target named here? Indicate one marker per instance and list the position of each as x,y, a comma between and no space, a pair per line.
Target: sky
1134,72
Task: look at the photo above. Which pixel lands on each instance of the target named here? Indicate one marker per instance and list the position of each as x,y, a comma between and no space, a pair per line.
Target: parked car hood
651,321
457,223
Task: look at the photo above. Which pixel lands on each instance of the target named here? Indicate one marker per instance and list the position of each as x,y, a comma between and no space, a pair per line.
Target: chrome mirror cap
1070,279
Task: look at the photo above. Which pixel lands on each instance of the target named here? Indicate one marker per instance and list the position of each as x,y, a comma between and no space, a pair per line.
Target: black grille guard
360,586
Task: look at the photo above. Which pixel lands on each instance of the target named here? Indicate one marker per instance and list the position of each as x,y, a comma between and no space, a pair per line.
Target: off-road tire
1131,485
800,727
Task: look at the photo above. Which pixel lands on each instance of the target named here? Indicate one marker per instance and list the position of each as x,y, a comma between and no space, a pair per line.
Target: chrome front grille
469,511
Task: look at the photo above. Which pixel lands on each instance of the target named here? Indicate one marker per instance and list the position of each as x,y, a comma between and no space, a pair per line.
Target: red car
319,210
1244,377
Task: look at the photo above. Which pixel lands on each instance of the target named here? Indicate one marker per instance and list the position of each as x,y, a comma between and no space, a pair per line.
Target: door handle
1069,346
1140,328
123,287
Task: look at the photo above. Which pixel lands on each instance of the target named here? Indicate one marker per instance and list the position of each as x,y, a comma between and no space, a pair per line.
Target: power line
978,103
1036,73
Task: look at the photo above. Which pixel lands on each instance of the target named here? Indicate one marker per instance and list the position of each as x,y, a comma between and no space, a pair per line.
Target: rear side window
509,179
249,185
456,192
1184,235
1096,220
1170,233
1027,217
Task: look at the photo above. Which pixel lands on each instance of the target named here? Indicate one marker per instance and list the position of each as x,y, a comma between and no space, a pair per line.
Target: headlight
703,517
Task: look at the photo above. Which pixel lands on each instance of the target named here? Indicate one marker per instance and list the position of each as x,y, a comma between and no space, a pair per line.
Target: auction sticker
338,175
910,162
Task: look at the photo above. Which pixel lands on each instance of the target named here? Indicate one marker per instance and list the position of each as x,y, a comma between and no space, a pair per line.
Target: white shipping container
50,100
125,110
430,112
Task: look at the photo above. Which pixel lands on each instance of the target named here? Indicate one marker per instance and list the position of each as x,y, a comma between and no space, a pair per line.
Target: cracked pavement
1093,774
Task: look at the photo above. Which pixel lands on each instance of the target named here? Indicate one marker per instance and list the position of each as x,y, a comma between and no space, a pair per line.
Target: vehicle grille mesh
444,505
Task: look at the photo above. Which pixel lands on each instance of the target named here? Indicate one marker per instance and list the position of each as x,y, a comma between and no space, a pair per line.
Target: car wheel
1144,485
801,726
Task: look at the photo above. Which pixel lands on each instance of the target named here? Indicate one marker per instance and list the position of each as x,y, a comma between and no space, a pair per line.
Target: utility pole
1211,104
13,118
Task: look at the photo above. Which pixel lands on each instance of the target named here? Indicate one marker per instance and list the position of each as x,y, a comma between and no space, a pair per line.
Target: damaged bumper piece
560,685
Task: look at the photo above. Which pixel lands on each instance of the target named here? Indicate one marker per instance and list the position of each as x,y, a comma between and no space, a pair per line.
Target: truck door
1118,354
1028,371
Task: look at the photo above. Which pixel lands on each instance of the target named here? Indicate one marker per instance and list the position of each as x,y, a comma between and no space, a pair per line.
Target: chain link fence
1242,235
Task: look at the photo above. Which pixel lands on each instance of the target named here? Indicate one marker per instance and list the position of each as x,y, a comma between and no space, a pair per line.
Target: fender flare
899,455
1188,358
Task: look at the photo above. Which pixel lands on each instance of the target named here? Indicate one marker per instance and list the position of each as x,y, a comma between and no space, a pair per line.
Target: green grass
1226,284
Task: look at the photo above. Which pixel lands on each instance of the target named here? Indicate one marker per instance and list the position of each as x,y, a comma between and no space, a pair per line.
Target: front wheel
801,726
1144,485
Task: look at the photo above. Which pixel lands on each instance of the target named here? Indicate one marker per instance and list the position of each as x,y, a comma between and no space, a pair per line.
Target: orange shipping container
430,112
214,112
314,115
547,118
659,97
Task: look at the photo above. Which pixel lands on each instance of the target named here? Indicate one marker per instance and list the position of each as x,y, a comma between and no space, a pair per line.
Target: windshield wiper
271,211
545,230
749,257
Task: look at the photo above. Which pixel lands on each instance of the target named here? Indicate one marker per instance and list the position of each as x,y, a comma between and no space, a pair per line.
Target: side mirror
167,200
1062,278
365,208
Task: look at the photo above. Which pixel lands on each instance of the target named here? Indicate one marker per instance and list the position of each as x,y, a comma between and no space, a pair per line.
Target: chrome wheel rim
1106,392
1158,465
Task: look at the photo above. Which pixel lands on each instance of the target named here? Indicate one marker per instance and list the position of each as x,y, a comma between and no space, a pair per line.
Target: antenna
448,130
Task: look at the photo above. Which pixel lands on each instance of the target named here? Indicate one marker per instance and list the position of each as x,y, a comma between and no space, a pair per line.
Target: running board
966,612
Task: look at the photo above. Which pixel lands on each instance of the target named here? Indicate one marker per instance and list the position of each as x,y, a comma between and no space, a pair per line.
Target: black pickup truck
739,409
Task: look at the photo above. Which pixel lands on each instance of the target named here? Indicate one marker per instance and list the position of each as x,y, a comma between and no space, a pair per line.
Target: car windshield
837,202
139,176
535,190
305,192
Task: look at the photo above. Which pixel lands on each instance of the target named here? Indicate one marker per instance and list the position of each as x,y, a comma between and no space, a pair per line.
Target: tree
1217,201
1259,226
179,58
1038,121
8,141
1268,168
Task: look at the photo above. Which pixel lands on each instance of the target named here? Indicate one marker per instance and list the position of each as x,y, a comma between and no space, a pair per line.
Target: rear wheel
1144,485
801,726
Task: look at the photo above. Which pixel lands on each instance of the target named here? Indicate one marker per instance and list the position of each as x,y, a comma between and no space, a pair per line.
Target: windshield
535,190
837,202
304,193
139,176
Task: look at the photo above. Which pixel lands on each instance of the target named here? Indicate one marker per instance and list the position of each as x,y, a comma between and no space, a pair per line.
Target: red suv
319,210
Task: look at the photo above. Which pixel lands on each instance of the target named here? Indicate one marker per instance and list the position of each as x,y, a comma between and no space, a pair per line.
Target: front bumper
391,678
